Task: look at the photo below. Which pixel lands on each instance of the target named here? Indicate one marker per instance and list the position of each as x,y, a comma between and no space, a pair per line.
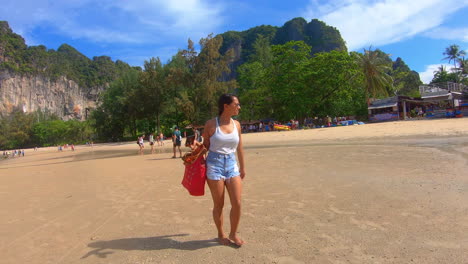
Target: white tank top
224,143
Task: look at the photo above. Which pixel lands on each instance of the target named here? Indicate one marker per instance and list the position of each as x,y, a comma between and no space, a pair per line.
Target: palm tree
453,53
463,66
463,69
375,69
441,70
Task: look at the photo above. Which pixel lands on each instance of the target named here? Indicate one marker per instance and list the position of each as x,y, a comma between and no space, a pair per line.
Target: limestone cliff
63,81
63,97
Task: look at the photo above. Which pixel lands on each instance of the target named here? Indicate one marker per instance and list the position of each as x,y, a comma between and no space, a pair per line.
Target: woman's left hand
242,174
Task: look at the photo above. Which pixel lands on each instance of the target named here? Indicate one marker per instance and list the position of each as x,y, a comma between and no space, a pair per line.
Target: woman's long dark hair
224,99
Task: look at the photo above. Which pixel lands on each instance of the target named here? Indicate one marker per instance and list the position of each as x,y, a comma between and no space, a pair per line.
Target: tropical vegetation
296,71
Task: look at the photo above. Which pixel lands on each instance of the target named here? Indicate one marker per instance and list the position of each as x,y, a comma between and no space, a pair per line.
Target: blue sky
418,31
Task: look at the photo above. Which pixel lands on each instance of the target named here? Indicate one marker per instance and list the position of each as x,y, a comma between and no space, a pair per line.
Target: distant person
158,140
140,145
198,136
222,137
420,113
177,141
161,138
22,152
151,142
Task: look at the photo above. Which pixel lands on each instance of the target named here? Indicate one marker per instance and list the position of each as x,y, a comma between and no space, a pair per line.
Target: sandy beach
393,192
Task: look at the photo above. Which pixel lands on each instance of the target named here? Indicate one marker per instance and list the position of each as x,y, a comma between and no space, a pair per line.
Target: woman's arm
208,131
240,152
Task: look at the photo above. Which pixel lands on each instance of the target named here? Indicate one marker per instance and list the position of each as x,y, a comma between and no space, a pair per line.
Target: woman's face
233,108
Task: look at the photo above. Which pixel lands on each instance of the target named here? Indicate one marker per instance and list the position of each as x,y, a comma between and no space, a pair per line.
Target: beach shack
444,100
384,109
436,101
393,108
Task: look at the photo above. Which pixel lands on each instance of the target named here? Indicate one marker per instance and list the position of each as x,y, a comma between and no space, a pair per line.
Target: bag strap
191,156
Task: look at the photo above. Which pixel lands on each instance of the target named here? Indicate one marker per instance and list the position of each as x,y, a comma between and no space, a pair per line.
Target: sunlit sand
377,193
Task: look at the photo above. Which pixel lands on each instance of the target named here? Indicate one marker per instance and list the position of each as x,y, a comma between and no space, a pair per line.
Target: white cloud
448,33
427,75
146,21
366,22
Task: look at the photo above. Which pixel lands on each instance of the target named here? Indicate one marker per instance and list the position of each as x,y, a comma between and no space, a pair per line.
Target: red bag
195,175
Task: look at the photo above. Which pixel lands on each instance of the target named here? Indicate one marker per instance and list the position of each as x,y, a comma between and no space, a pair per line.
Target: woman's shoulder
238,125
210,123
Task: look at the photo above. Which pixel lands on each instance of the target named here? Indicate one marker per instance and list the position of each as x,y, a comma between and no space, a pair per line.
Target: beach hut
444,99
393,108
436,101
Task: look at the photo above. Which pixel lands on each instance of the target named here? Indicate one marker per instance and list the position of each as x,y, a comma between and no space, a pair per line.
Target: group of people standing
326,121
13,154
61,148
152,140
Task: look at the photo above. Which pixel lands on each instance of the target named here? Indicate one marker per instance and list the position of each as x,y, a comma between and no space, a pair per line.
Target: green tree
180,105
51,133
442,75
453,53
16,129
253,92
262,51
405,81
204,82
153,80
120,108
252,79
334,85
375,70
289,70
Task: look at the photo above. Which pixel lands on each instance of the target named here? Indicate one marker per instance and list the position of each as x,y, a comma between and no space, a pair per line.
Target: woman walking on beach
222,137
141,144
151,142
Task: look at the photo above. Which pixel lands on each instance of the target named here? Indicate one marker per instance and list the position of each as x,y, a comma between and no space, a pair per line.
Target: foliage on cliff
17,57
318,35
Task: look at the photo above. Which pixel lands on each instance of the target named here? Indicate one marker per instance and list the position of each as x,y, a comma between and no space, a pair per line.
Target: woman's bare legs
234,187
217,193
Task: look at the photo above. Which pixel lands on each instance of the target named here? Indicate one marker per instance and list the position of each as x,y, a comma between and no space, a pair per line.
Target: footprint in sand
275,229
300,212
200,201
366,225
180,220
286,219
297,204
443,244
288,260
338,211
248,214
321,224
410,214
146,223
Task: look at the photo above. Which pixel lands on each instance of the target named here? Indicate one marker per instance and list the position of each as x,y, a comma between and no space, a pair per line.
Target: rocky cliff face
63,97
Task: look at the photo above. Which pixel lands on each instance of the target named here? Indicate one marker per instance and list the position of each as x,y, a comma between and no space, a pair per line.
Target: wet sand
378,193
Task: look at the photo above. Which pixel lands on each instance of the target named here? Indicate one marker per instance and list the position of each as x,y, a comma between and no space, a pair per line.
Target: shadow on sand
93,155
104,248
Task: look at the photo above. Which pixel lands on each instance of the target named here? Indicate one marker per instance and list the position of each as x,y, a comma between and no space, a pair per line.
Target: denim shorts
221,166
